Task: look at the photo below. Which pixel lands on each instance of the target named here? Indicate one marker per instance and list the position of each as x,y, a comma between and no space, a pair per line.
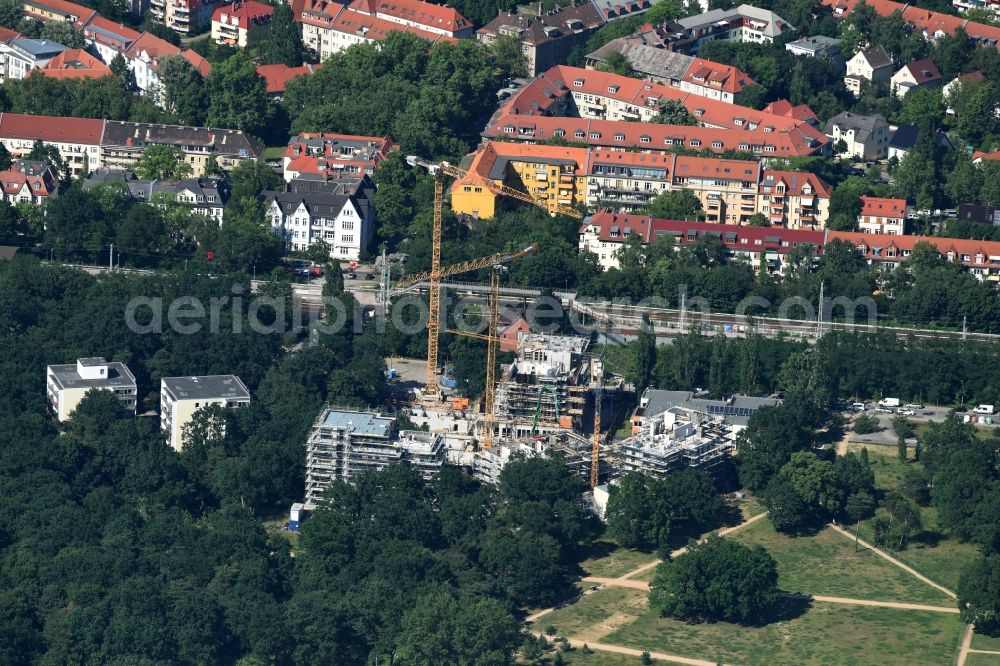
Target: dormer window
619,137
612,89
578,83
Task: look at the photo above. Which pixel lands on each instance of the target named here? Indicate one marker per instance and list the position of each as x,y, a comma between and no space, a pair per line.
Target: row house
727,189
87,144
584,93
242,24
201,196
882,216
794,199
108,38
318,155
628,180
980,258
29,181
345,223
931,25
648,137
605,233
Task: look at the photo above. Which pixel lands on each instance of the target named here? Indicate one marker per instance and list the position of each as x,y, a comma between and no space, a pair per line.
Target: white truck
889,403
983,409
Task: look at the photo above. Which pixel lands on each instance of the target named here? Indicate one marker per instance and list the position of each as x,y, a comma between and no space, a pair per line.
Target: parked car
369,276
858,406
883,410
352,275
903,411
913,406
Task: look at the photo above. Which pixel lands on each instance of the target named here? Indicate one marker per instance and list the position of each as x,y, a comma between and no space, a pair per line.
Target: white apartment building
882,216
22,55
345,223
66,385
181,397
866,137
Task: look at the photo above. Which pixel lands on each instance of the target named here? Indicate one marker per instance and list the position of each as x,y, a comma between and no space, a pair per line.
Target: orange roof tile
930,22
425,13
883,207
276,77
75,64
245,12
51,128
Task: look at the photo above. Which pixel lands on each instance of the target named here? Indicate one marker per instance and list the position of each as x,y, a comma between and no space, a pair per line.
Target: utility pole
964,331
681,323
111,257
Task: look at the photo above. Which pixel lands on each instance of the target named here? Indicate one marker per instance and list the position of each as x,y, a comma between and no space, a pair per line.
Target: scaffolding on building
682,438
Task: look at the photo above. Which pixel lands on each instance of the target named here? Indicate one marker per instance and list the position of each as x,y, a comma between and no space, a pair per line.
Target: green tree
979,595
62,33
162,162
237,96
758,220
766,444
245,239
718,579
508,56
11,13
643,355
866,424
672,112
616,63
858,506
442,629
119,67
181,90
284,41
676,205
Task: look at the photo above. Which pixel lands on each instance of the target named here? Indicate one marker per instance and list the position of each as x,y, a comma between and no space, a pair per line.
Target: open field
977,659
981,642
824,634
597,614
826,564
617,562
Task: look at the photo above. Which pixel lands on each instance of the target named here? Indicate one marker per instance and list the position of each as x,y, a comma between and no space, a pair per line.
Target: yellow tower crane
494,261
438,170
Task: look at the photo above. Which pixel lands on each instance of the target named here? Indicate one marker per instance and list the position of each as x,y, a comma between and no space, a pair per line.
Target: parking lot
886,435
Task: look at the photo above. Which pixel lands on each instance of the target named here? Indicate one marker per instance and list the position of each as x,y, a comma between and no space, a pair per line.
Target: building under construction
486,464
679,438
545,389
344,443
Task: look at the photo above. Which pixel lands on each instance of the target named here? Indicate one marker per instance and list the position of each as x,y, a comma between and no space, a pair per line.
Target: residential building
571,91
882,216
916,74
651,137
980,258
800,112
794,199
66,385
865,137
29,181
819,46
187,17
108,38
202,196
953,86
978,213
77,139
904,137
628,180
59,11
241,24
931,25
605,233
678,439
276,77
979,155
715,81
546,38
123,143
510,333
341,444
745,23
143,57
324,155
648,60
554,173
872,65
22,55
75,64
727,189
965,5
615,9
545,388
436,19
735,410
345,223
182,397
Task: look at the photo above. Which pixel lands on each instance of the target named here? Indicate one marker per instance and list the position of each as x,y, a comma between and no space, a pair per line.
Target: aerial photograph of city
499,332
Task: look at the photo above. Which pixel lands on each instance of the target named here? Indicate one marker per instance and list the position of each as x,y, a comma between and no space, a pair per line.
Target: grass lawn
274,152
596,614
975,659
595,658
825,634
826,564
750,507
981,642
648,575
617,562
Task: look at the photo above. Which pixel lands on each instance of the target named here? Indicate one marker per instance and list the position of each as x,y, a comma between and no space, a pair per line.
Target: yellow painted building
555,174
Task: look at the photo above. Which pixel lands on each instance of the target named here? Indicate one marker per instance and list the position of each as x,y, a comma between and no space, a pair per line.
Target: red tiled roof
41,179
197,61
244,11
714,167
6,34
981,155
883,207
276,77
484,159
733,237
376,29
75,64
83,14
424,13
658,138
782,107
795,181
717,76
929,22
125,35
881,247
56,129
923,71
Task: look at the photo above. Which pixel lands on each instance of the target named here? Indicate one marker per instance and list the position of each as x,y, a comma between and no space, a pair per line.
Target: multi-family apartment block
931,25
66,385
980,258
77,139
241,24
302,216
202,196
188,17
59,11
864,137
882,216
182,397
322,156
21,55
744,23
143,56
122,144
108,38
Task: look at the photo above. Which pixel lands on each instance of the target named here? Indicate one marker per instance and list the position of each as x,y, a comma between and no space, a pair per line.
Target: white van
983,409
